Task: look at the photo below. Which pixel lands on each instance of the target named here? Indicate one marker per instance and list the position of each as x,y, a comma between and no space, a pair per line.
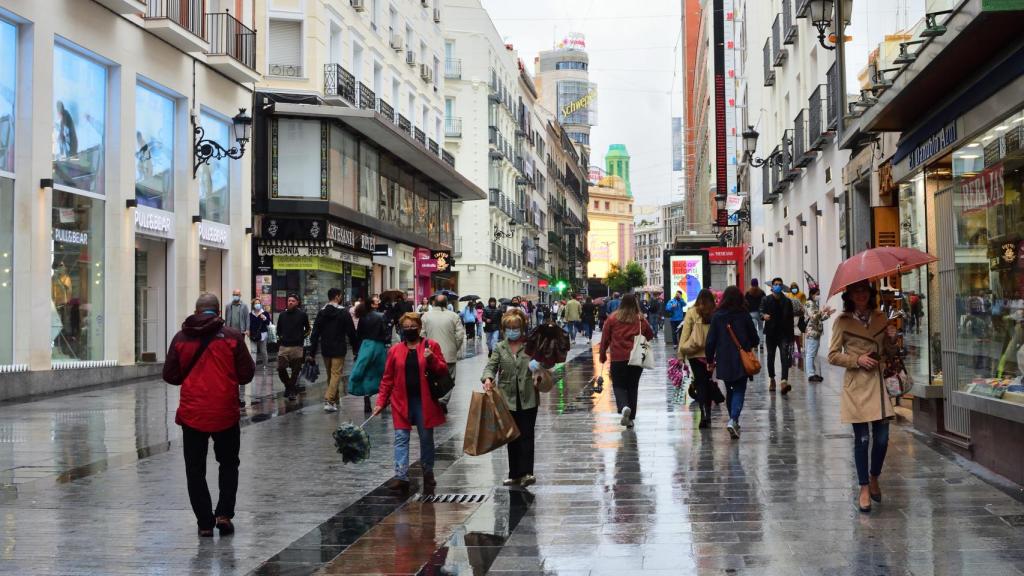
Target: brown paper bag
489,425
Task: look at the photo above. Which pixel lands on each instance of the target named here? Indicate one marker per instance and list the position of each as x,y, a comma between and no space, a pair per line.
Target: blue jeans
811,355
861,442
758,324
492,340
735,392
588,329
652,319
402,437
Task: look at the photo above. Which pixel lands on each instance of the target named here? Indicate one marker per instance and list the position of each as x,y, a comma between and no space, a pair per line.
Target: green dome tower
616,163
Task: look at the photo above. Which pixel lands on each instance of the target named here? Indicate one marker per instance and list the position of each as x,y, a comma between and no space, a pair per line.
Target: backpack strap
203,345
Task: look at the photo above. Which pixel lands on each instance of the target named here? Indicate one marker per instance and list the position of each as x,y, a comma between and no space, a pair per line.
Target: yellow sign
358,271
307,263
580,104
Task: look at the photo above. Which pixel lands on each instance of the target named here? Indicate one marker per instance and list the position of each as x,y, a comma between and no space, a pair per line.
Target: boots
874,489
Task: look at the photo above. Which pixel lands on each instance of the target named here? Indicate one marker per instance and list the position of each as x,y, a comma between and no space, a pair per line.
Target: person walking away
404,387
816,316
508,370
573,314
723,354
862,339
236,315
754,297
331,329
492,324
445,327
614,303
209,360
373,336
258,332
479,309
588,315
691,348
602,314
654,315
675,309
777,311
617,343
469,321
798,300
292,329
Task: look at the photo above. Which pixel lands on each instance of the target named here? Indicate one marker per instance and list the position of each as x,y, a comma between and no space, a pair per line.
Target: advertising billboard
685,271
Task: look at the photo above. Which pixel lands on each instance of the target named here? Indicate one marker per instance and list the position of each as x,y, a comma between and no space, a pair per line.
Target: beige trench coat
864,397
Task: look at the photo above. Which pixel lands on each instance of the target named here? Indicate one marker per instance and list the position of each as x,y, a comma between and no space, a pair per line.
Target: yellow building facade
611,226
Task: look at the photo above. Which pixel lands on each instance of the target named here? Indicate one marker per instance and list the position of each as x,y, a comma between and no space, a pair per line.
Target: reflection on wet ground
94,485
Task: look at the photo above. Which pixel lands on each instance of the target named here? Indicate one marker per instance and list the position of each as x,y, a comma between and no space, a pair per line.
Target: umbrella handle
365,422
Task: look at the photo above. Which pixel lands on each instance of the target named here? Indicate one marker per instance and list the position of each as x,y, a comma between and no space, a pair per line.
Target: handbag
440,384
896,379
751,365
641,355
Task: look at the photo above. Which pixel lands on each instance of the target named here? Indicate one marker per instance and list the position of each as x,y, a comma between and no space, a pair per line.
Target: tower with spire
616,163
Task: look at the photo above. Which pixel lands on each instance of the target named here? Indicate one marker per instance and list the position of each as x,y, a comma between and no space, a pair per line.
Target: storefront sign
383,250
428,262
71,236
935,144
153,222
214,234
292,250
444,260
358,272
983,191
349,237
1002,5
733,202
726,253
307,263
317,229
1003,254
543,284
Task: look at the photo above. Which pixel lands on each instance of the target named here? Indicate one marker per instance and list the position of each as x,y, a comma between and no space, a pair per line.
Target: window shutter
285,48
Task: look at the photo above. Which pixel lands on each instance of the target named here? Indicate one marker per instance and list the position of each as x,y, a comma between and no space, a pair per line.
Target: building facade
649,245
611,217
110,227
563,81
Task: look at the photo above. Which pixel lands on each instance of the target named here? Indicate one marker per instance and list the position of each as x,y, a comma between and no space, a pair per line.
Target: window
154,149
344,168
8,79
6,270
370,195
77,277
607,205
215,176
80,113
297,159
597,204
285,48
570,65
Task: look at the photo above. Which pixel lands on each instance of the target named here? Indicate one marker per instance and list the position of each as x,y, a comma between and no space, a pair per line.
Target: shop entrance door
150,300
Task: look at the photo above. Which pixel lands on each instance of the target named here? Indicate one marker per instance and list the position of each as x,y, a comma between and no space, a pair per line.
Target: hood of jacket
200,325
331,311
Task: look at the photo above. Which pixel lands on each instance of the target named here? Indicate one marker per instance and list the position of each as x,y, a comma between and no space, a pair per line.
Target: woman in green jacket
508,370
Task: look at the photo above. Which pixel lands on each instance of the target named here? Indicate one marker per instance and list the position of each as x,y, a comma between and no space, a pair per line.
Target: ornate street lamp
819,12
205,150
499,233
750,145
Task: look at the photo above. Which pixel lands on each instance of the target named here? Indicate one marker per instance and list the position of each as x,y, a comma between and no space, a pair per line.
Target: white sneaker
731,427
626,420
330,407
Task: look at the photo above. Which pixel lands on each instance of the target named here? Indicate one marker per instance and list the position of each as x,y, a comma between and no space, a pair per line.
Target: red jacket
392,385
617,338
209,395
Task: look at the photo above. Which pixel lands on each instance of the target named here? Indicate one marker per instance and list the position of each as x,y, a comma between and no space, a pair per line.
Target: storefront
77,277
434,272
213,245
154,232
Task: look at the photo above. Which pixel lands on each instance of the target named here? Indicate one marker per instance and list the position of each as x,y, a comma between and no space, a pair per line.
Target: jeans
402,437
675,331
492,340
570,327
880,432
735,392
289,357
334,368
225,448
811,356
758,324
520,450
625,384
258,351
588,329
785,357
479,329
652,319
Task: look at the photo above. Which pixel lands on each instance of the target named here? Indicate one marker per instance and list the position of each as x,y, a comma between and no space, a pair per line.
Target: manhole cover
452,498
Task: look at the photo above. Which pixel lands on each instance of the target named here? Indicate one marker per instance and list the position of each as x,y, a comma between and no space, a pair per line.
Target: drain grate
452,498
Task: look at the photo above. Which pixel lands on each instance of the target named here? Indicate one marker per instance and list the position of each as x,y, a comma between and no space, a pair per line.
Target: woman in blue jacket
723,354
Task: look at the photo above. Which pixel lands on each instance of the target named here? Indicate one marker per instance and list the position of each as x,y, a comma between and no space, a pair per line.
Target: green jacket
573,311
511,374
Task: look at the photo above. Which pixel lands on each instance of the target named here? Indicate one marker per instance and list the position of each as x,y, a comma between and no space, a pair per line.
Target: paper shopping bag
507,429
489,425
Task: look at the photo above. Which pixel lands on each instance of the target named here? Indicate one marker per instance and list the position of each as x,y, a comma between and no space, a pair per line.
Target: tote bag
641,354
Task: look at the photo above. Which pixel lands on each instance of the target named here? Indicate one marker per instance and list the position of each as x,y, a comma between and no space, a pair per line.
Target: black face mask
410,334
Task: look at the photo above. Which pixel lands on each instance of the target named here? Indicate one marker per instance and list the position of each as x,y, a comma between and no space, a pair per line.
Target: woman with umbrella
405,388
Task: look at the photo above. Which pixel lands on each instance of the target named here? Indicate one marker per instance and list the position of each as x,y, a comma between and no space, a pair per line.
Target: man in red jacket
209,361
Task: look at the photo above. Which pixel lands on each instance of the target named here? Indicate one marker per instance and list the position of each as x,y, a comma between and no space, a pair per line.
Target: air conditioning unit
286,70
425,3
426,72
358,5
410,58
437,14
396,41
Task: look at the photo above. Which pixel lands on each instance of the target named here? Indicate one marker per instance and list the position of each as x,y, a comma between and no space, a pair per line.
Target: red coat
392,385
209,395
617,338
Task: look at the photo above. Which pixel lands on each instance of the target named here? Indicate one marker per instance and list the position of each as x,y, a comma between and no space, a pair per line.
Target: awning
388,136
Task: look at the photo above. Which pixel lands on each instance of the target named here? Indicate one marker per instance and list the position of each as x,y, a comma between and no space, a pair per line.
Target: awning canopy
388,136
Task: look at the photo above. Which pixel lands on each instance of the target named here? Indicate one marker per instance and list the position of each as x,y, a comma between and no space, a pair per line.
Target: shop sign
733,202
351,238
1012,139
1006,254
307,263
1002,5
383,250
983,191
428,262
153,222
214,234
71,236
317,230
292,250
726,253
935,144
351,258
358,272
542,284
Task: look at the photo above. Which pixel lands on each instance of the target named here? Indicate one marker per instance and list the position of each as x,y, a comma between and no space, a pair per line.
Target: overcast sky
633,48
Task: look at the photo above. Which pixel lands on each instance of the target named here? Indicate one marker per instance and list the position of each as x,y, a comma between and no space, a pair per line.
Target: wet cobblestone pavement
93,483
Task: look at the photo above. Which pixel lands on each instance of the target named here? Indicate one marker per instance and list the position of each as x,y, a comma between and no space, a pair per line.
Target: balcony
494,195
803,155
832,98
789,171
180,23
769,73
232,48
788,25
778,184
778,51
404,124
817,132
453,69
453,127
447,158
340,83
420,136
367,99
457,247
385,109
768,196
125,6
433,146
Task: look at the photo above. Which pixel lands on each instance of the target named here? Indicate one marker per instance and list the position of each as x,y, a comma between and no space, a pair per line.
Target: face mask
795,290
513,334
236,298
777,288
258,307
410,334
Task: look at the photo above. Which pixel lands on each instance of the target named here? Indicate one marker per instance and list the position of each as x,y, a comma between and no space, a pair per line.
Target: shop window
434,217
6,270
79,121
8,88
447,233
913,297
422,208
372,200
297,159
344,168
154,149
77,277
406,202
215,175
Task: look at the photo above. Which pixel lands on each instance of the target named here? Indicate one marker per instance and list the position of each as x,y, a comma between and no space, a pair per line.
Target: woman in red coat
404,386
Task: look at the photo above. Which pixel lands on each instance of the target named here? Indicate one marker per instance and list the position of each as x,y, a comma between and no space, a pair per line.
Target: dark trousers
588,329
675,330
862,445
625,384
785,356
225,450
702,384
520,450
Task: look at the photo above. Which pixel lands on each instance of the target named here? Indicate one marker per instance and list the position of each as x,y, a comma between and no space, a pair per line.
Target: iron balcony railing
457,247
769,73
404,124
493,195
339,82
420,136
803,154
768,194
189,14
229,37
385,109
789,171
433,146
816,130
447,157
453,69
788,25
832,99
367,99
778,184
778,51
453,127
492,135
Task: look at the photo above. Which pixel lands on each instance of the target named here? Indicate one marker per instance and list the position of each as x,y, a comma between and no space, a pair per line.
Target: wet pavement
93,483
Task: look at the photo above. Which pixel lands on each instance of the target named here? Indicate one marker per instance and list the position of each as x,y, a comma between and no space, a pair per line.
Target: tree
624,280
635,275
616,279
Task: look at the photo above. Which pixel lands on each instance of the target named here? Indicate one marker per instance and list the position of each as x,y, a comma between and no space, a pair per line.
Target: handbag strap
203,345
734,339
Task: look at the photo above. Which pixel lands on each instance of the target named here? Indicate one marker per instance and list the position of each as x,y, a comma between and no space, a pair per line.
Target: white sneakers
626,420
330,407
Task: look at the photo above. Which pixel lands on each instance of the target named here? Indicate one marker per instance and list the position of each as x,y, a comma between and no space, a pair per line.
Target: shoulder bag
440,384
751,365
641,355
203,345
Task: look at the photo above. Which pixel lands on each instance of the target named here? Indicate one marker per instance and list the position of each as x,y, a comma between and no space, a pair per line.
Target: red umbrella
876,263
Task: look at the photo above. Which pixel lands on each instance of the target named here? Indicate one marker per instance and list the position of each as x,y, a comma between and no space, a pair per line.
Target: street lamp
205,150
499,233
750,145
